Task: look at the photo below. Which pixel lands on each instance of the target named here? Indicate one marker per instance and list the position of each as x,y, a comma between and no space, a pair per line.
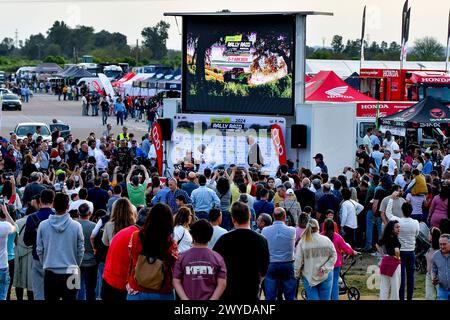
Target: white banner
106,85
396,131
216,140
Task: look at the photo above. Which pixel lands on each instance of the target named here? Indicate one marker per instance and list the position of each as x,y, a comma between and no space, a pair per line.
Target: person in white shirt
409,230
389,162
215,217
7,226
181,234
445,163
82,195
100,159
349,221
396,151
388,141
367,141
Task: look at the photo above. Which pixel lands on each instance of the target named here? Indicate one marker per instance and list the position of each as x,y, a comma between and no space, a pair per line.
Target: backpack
149,272
101,249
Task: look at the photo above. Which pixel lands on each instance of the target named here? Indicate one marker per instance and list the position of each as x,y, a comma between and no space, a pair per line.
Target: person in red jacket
115,274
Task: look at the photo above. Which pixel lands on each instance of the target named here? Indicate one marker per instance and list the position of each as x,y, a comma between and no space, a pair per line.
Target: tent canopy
48,68
328,87
428,113
124,79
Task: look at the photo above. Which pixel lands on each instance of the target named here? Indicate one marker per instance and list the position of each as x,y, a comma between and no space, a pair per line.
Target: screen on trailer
239,64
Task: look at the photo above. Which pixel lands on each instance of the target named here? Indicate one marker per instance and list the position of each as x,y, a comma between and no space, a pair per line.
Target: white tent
127,87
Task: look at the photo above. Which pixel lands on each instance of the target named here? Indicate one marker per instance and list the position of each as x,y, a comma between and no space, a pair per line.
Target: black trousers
110,293
59,286
349,236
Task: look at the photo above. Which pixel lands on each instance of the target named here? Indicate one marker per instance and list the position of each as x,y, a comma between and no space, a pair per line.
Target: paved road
44,108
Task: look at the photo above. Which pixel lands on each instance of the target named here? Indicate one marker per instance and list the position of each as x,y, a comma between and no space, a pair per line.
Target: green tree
428,49
337,44
34,46
6,46
155,39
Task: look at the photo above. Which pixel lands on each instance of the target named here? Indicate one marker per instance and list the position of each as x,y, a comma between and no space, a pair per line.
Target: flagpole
448,44
361,58
402,42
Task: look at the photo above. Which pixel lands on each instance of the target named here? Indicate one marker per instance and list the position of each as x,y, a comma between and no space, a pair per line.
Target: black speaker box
166,128
298,136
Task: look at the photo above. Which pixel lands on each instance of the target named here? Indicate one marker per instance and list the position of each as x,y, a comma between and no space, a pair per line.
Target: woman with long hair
341,247
224,193
390,270
28,166
155,241
123,215
314,260
439,208
181,234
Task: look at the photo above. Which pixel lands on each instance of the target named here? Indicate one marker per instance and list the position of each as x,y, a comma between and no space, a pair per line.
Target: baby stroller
422,246
351,292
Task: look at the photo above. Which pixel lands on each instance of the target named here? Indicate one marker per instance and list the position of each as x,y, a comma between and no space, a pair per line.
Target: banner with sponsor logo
157,140
106,84
386,108
215,140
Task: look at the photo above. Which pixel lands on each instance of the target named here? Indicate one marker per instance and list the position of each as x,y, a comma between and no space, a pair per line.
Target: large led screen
239,64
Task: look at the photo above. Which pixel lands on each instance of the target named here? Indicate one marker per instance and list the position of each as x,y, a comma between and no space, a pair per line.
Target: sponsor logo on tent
437,113
390,73
436,80
408,113
338,92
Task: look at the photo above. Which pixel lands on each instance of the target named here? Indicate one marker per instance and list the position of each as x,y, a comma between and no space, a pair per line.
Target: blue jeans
370,220
149,124
408,259
95,110
443,294
280,273
120,118
335,288
88,284
151,296
98,289
202,215
226,221
322,291
4,283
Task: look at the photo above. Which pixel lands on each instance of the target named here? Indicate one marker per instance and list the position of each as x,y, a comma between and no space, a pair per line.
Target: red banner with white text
278,142
158,143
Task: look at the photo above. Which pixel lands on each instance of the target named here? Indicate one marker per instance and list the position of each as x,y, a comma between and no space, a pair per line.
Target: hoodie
60,244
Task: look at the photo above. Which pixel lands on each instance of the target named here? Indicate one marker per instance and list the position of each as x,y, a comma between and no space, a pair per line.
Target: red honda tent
125,78
327,86
308,78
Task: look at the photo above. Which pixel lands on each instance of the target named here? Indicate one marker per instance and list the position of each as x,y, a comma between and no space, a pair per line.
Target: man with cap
88,268
135,151
319,162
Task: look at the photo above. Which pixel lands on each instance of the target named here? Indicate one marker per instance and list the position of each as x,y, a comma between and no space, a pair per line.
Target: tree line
423,49
63,44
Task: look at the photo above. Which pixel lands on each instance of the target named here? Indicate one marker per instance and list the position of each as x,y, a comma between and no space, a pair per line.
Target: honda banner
216,140
386,108
158,143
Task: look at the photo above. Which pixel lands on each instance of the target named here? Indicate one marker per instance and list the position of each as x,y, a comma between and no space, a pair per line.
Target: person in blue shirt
428,165
377,156
281,240
119,110
172,195
146,144
263,205
204,199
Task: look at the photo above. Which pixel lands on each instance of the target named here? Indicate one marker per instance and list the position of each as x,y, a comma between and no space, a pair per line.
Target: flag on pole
448,43
362,34
403,39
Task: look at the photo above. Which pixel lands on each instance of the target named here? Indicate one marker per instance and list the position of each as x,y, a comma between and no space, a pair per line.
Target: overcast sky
428,17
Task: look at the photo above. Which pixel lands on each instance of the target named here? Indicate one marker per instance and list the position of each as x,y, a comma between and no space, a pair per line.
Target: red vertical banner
158,143
97,87
278,142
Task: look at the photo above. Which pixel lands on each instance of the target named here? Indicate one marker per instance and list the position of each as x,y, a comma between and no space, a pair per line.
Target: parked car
64,128
4,91
22,129
11,101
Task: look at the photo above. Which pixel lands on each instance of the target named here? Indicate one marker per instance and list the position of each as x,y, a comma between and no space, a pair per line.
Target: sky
383,22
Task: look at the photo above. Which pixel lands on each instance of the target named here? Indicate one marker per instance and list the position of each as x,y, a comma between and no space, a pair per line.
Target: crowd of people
94,219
